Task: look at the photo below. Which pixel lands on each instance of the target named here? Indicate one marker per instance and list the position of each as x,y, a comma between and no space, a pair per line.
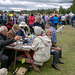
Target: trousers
3,61
56,55
11,56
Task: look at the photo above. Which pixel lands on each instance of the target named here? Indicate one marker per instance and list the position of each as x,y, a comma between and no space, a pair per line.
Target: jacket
41,47
4,41
39,24
73,18
56,20
10,24
11,34
31,20
52,20
22,33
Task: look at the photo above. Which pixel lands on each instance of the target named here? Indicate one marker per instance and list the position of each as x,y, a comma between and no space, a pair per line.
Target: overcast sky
33,4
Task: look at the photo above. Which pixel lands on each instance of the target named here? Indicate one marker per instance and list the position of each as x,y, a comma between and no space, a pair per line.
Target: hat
38,30
23,24
15,26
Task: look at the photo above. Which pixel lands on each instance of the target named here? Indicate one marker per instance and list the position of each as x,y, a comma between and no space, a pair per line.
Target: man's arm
6,42
55,45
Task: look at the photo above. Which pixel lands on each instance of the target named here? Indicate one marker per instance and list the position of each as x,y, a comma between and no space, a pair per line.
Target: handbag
20,71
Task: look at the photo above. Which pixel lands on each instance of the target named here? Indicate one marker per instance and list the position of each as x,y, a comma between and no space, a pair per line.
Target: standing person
9,23
56,21
14,19
1,18
39,22
31,21
4,41
68,20
21,18
60,20
4,18
63,19
49,26
52,20
73,19
46,17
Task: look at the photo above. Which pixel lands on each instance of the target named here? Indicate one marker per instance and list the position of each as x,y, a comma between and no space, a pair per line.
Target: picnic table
23,47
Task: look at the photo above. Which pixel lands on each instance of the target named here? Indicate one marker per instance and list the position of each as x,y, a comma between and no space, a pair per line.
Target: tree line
48,11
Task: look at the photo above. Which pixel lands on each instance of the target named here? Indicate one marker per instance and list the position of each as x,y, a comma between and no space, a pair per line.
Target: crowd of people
45,44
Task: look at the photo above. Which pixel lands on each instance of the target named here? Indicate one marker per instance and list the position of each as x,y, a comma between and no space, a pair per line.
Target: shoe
56,67
61,62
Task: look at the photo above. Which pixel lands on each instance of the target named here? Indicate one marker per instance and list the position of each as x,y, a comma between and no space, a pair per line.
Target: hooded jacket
41,47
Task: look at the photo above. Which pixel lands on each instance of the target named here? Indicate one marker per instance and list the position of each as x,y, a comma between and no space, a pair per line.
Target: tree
1,11
68,10
62,10
73,2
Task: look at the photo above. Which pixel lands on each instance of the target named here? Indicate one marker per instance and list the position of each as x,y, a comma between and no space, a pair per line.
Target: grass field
67,41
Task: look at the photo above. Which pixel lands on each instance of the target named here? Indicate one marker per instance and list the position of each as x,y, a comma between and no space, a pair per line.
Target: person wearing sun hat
12,32
22,32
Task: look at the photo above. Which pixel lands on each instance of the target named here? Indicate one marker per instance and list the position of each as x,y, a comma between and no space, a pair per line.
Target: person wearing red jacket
9,23
31,21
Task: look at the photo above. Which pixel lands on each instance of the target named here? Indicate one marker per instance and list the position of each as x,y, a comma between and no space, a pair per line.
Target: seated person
41,46
49,26
21,32
4,41
55,51
12,32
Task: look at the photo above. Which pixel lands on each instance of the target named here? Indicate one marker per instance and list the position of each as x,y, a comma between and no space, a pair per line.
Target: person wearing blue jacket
73,20
52,21
56,21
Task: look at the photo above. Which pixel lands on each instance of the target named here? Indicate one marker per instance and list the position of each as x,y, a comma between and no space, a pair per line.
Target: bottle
29,41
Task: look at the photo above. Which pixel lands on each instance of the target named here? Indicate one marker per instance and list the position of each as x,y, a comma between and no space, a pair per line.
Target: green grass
67,41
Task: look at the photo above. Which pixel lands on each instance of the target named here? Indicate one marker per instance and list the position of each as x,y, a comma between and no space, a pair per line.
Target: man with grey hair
55,50
4,41
49,26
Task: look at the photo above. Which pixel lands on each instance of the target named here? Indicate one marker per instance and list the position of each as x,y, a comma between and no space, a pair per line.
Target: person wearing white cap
41,46
21,32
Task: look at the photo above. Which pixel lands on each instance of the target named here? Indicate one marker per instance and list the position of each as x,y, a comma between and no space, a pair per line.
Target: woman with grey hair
39,22
41,46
